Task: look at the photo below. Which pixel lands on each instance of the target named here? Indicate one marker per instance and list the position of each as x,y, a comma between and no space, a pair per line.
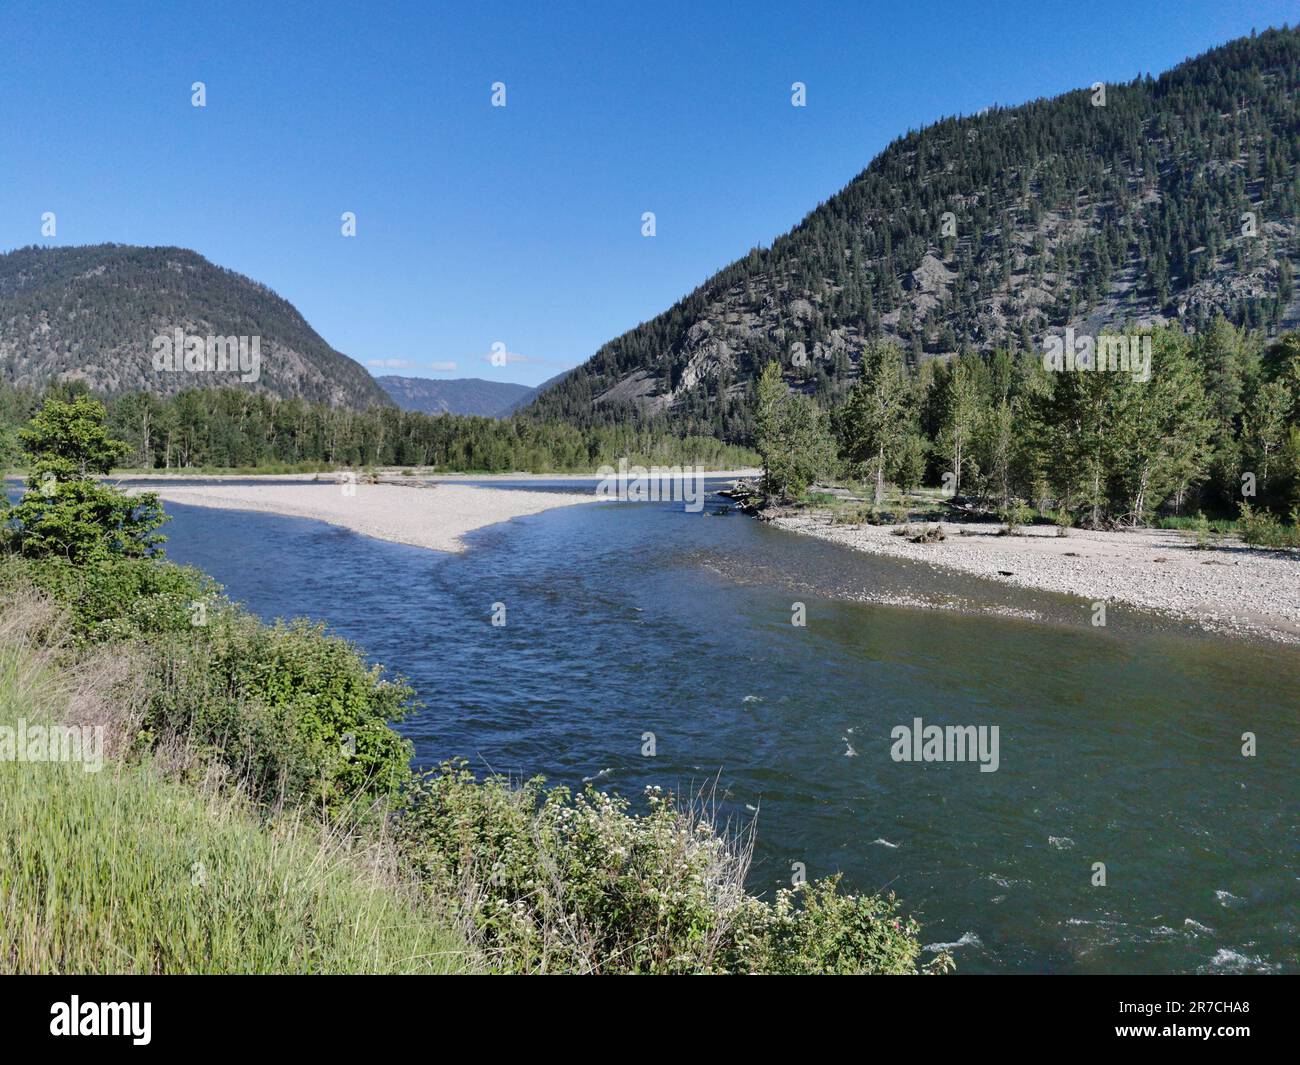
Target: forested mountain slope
464,395
92,313
1160,200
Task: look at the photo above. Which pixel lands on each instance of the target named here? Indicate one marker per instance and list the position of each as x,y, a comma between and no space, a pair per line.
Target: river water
1119,745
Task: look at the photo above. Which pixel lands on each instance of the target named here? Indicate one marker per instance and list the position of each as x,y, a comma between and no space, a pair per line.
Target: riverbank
225,796
436,516
594,475
420,473
1227,588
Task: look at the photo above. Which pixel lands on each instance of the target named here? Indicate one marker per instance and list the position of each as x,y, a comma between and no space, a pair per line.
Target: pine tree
875,418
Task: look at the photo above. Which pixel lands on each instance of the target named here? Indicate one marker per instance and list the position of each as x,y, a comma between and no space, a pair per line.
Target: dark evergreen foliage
1062,212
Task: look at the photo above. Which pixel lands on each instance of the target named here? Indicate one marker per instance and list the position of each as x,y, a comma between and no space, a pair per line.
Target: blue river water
1120,746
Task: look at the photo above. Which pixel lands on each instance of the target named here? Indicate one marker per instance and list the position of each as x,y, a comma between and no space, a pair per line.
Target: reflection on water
1120,746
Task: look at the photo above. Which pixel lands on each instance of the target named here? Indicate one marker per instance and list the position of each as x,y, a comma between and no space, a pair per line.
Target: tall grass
123,871
194,850
1190,523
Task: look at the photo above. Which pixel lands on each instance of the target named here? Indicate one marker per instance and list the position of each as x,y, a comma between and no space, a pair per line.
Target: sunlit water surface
1119,745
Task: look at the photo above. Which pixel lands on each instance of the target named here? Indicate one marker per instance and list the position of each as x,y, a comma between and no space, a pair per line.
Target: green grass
1187,523
122,871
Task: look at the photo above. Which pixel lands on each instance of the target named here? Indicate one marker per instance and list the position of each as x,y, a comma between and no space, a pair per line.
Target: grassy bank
256,813
126,871
256,810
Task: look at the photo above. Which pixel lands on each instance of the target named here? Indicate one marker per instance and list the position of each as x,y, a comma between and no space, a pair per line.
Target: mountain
467,395
533,393
93,313
1156,200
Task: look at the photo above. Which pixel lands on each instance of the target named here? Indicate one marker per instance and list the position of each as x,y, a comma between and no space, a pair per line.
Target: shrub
116,598
815,929
290,713
856,514
1014,516
296,715
1262,529
1201,527
545,881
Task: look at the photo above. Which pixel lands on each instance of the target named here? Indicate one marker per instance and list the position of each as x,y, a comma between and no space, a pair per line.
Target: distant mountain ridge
91,313
464,395
1158,200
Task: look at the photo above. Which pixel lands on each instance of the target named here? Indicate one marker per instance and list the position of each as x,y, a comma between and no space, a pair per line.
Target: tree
65,511
792,436
807,449
1265,430
772,397
996,448
961,409
1164,426
874,419
1078,414
70,440
909,462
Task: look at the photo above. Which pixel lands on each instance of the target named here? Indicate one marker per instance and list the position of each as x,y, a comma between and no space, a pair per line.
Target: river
1119,745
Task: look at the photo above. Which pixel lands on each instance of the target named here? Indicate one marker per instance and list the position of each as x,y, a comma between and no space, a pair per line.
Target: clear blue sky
519,225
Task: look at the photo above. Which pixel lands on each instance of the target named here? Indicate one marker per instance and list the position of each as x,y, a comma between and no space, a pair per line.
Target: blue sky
520,225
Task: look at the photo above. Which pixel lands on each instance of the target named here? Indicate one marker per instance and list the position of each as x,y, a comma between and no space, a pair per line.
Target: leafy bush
866,514
116,598
546,881
1201,527
290,713
294,714
856,514
1015,516
1262,529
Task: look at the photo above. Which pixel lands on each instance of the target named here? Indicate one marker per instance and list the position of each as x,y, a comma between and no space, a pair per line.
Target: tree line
1183,188
236,428
1216,423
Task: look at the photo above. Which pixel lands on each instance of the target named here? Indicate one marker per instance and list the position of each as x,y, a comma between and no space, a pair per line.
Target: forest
1215,427
1170,199
244,429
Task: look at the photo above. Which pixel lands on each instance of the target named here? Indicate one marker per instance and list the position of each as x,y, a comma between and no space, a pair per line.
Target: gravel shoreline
435,517
1229,588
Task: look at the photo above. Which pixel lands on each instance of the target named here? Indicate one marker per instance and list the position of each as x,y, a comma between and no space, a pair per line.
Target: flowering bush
546,881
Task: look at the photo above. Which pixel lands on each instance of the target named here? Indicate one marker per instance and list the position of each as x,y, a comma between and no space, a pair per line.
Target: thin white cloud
495,357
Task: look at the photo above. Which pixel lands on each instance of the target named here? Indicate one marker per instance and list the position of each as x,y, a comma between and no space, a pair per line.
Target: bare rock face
930,284
995,231
96,313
